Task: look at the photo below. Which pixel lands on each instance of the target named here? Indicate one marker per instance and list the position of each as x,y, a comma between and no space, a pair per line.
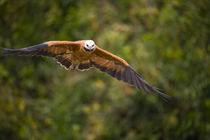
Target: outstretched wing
50,48
60,50
120,69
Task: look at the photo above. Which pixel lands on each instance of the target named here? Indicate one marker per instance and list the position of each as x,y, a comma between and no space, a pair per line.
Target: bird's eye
87,45
92,45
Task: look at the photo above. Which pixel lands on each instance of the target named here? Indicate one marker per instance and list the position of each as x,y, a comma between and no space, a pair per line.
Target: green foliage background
165,40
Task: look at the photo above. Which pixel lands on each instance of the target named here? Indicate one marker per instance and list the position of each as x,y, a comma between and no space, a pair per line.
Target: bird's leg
77,67
74,67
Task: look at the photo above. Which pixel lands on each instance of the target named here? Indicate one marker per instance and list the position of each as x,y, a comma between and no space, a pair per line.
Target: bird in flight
84,54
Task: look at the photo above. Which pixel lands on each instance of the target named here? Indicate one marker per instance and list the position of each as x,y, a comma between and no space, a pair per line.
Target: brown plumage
82,55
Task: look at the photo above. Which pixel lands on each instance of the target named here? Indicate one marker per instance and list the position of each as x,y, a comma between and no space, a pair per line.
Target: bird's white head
89,45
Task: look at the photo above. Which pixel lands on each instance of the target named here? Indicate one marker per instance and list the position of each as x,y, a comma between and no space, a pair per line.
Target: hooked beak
89,50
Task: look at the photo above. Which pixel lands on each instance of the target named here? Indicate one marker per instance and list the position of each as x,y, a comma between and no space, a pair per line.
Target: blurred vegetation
167,41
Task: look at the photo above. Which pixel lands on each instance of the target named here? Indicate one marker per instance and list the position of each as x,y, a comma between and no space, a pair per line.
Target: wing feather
50,48
121,70
64,61
85,65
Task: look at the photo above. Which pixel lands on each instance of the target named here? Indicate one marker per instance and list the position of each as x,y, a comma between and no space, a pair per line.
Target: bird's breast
80,56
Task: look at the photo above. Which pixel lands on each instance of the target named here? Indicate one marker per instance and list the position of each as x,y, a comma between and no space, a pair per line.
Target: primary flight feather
82,55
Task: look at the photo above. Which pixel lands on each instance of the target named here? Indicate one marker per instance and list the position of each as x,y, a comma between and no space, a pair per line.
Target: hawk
84,54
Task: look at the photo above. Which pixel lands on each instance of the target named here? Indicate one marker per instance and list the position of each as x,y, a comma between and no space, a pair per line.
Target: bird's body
84,54
76,56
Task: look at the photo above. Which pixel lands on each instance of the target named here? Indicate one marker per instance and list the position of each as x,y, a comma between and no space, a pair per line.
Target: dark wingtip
149,87
22,51
5,51
162,95
1,51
